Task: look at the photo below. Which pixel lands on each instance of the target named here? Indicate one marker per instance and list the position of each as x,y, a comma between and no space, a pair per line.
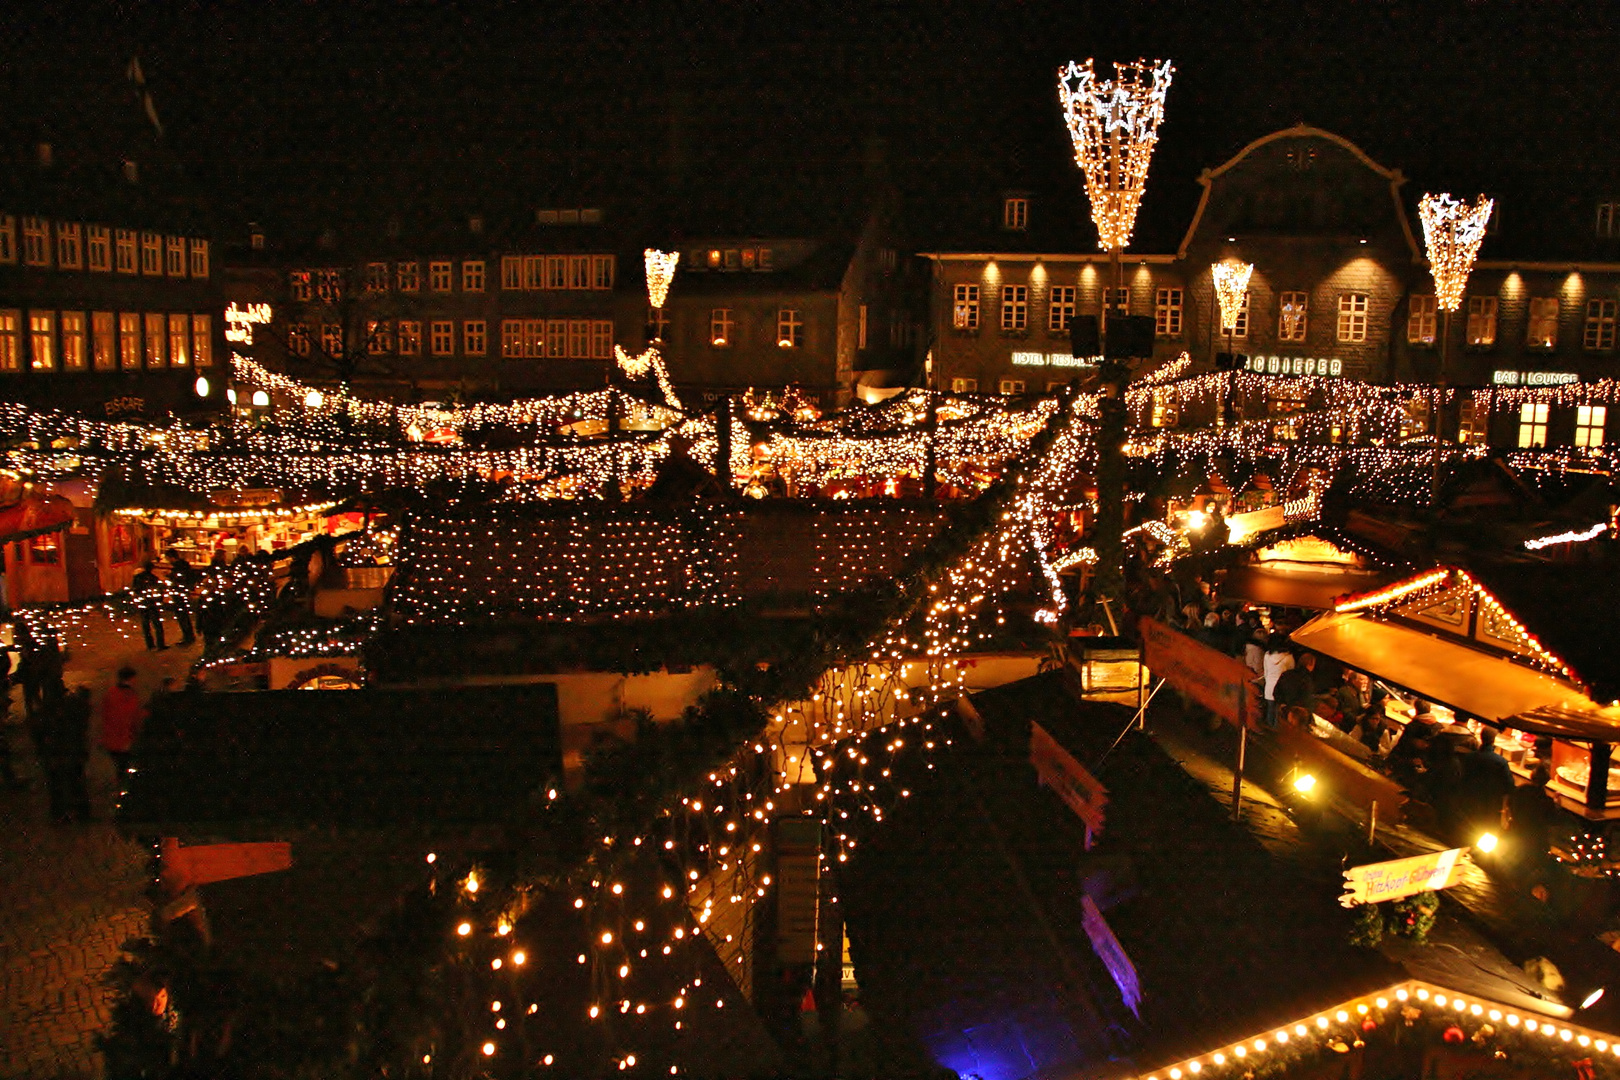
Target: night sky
262,90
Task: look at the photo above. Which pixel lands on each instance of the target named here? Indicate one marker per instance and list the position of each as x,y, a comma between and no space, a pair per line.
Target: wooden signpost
1057,769
1400,878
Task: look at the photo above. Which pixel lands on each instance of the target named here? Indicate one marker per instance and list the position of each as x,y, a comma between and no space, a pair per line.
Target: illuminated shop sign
1534,378
239,321
1057,359
1296,365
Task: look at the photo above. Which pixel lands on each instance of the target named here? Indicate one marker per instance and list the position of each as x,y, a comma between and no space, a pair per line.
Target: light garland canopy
1231,282
660,272
1114,125
1452,232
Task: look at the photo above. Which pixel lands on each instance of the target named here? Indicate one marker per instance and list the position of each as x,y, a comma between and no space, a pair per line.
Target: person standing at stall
182,591
1487,782
146,589
1277,659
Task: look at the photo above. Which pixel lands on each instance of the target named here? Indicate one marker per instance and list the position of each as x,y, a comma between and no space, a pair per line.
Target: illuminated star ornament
1231,282
1114,126
1452,233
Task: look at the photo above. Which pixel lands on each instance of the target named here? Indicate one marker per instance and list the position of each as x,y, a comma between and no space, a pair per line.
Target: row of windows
70,245
731,259
1004,386
403,337
723,327
1168,310
104,341
532,272
1541,325
577,339
407,277
518,272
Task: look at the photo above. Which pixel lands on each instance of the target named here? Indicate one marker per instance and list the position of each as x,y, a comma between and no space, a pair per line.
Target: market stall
234,523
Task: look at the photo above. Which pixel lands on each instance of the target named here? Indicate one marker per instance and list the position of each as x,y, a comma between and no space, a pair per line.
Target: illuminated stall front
235,523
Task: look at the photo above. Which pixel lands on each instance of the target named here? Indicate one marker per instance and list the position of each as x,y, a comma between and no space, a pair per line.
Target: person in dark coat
1487,782
1532,814
64,752
146,589
182,589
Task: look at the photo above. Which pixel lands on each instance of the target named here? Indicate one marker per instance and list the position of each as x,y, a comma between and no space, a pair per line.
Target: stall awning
1467,680
35,516
1295,588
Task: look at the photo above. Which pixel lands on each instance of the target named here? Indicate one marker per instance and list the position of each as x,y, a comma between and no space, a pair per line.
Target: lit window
104,340
36,241
1589,421
1166,409
1291,316
557,338
512,338
442,337
439,275
1060,309
124,251
298,341
534,268
1532,425
69,245
129,341
179,341
965,315
332,339
1167,312
8,238
532,338
964,386
713,259
579,271
1608,220
657,324
1481,321
721,327
1015,213
1011,386
1599,325
601,271
157,341
408,276
789,328
511,272
174,256
1014,307
329,286
1541,331
377,337
1353,317
75,341
10,341
199,258
151,254
1471,423
100,248
202,341
472,275
410,337
473,337
750,258
1421,320
601,339
556,272
298,283
579,339
377,277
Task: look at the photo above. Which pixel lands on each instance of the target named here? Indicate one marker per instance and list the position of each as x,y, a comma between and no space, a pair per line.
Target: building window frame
377,277
1353,318
556,272
69,245
75,340
1541,323
408,276
1240,325
1607,226
202,341
98,248
658,324
378,337
174,256
601,339
1007,387
579,339
1533,425
579,272
129,340
965,311
199,258
8,239
961,385
789,328
1168,311
474,337
1598,334
722,328
512,339
157,341
332,339
1422,319
1590,421
511,273
602,271
472,275
179,340
1293,315
1480,330
1015,213
151,254
125,257
329,285
441,275
1060,307
556,339
299,341
534,272
104,340
11,340
1014,309
409,337
36,241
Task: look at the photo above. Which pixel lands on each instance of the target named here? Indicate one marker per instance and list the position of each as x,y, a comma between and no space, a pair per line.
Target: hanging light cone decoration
1114,126
660,272
1231,282
1452,233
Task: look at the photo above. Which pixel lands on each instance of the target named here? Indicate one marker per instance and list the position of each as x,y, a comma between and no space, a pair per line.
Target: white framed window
179,341
579,271
1471,423
1422,320
124,251
1167,311
1481,321
601,339
534,338
1240,325
1599,333
329,285
332,339
377,277
129,341
1166,409
557,338
202,341
964,386
512,338
36,241
733,258
1589,422
1353,317
69,246
1014,308
174,256
579,339
1015,213
472,275
1119,301
474,337
8,238
1541,328
602,271
722,327
104,340
1292,313
377,337
789,328
1060,309
99,248
157,341
1532,425
511,272
1011,386
440,275
441,337
151,254
408,276
410,337
965,313
765,258
556,272
298,339
75,341
199,258
534,271
1608,220
658,324
10,340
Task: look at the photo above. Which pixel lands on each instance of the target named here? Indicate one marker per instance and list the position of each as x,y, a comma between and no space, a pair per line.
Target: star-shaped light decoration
1114,126
1452,233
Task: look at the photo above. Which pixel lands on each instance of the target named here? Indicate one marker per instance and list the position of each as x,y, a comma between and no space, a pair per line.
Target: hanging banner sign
1404,877
1057,769
1220,683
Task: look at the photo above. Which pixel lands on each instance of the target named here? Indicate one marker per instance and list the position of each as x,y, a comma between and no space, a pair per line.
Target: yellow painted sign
1403,877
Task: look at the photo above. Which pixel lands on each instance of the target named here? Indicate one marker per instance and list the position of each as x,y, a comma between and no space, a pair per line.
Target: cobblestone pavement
69,895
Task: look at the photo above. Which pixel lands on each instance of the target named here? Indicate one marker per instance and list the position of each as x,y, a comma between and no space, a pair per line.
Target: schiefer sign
1404,877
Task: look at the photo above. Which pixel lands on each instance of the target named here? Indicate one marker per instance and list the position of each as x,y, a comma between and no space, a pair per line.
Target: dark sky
365,89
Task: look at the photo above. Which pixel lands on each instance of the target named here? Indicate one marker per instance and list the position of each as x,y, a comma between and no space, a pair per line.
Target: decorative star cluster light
660,272
1452,233
1231,282
1114,126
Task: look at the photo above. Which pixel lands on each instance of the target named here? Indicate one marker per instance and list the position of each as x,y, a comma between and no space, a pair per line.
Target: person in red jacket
122,715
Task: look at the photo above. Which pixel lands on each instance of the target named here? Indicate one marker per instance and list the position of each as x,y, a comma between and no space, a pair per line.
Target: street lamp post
1452,233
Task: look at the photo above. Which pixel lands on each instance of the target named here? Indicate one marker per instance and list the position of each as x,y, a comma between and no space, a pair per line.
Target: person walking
146,589
1276,660
122,715
182,592
64,753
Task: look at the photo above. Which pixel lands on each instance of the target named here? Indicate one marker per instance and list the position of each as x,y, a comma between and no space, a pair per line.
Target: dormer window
1608,220
1015,213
